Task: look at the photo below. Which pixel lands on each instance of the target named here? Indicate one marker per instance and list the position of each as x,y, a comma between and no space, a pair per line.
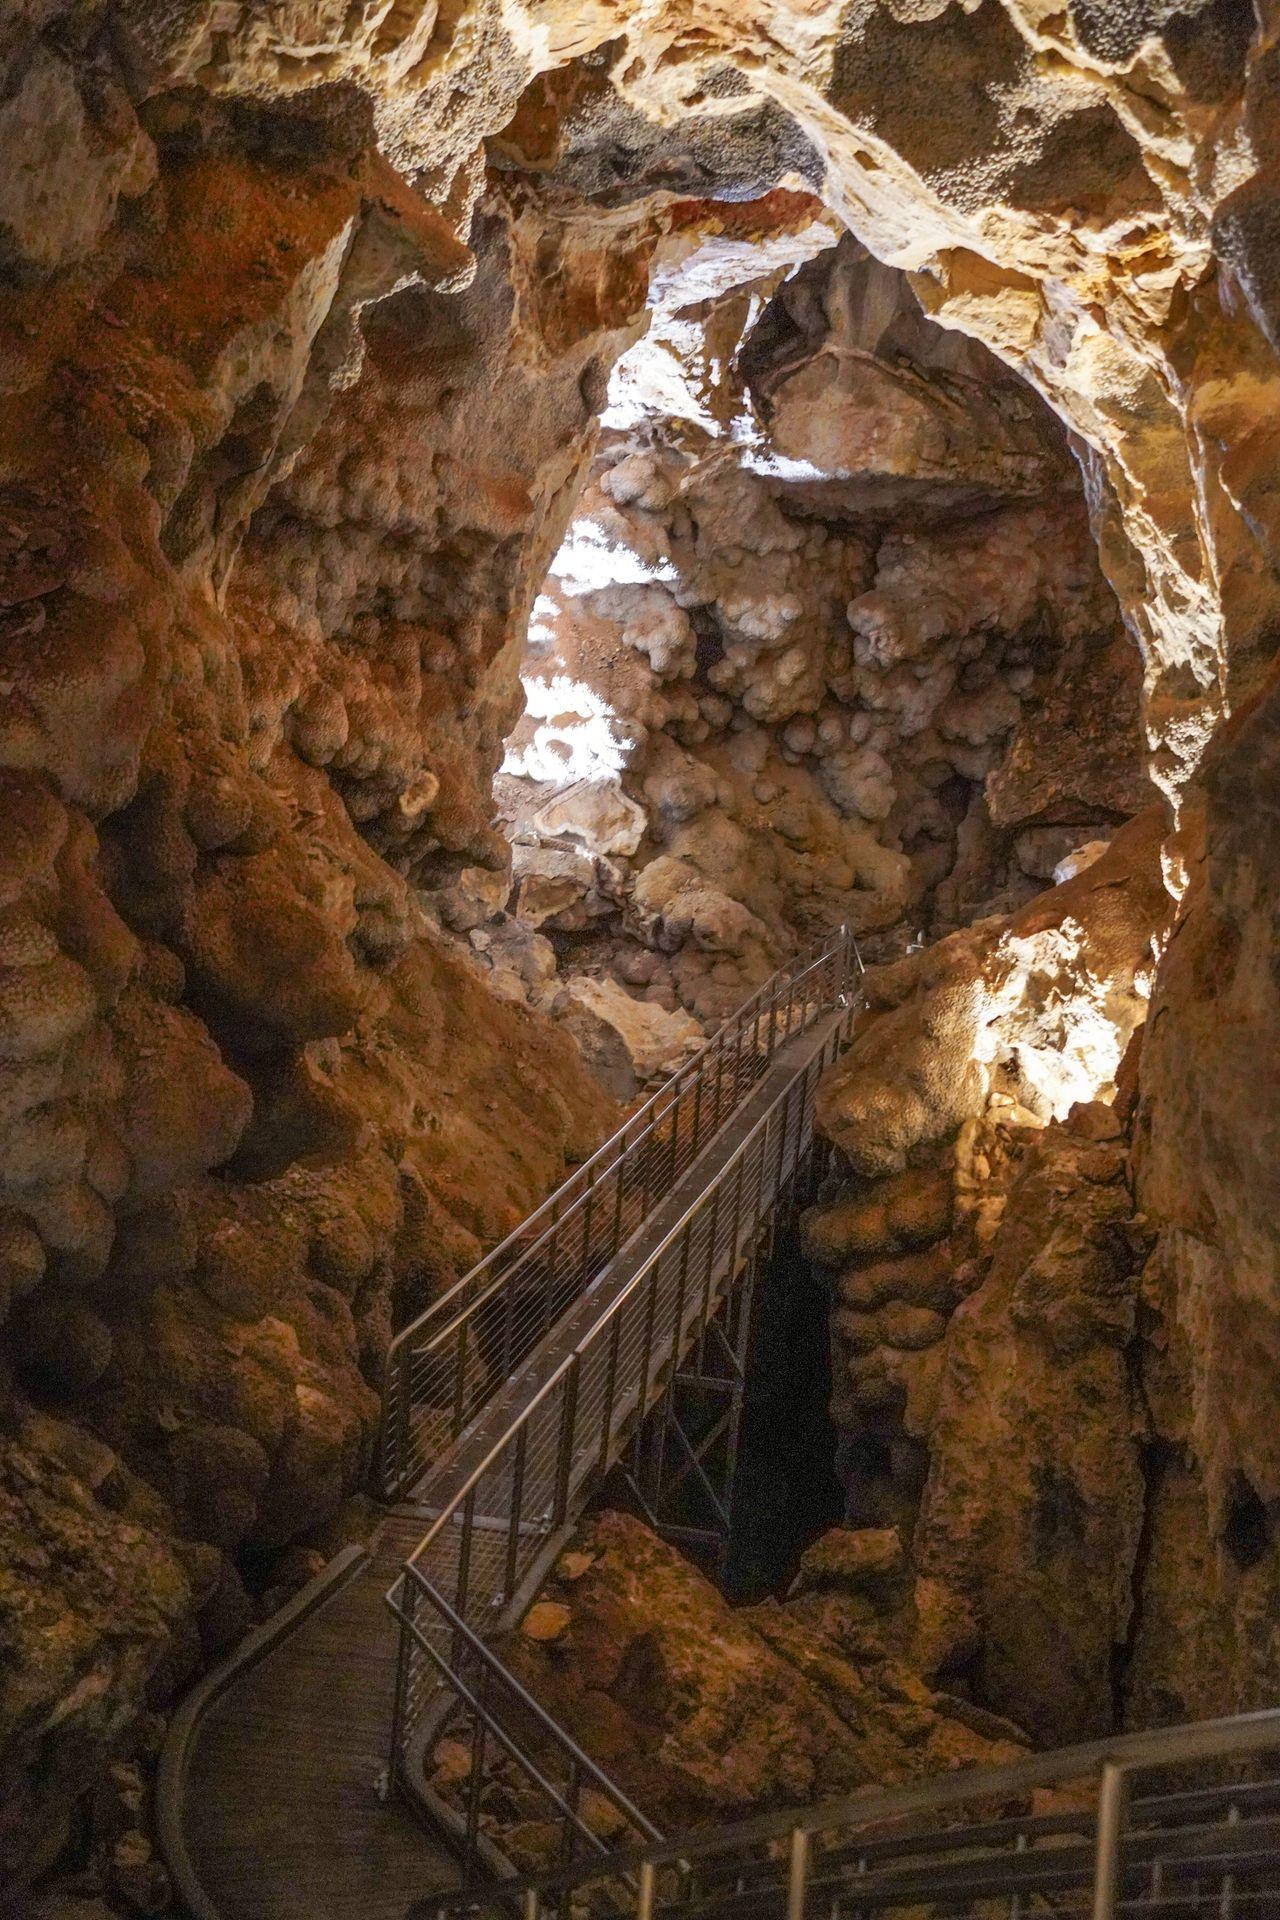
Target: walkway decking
268,1798
279,1809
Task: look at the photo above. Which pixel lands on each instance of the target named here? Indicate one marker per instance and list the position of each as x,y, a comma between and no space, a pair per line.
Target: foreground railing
969,1844
443,1366
505,1496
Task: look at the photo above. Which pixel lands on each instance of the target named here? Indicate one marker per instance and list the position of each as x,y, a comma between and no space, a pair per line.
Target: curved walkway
268,1797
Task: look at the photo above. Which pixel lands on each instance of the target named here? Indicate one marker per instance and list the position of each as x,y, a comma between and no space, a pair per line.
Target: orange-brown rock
703,1712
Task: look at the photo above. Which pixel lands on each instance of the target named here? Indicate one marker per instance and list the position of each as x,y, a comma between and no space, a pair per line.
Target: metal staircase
611,1327
443,1366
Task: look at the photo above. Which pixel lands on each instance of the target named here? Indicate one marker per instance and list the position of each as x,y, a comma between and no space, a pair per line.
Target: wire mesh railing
507,1493
443,1367
1184,1821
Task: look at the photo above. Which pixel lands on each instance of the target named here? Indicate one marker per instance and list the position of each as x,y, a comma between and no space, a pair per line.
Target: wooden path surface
279,1810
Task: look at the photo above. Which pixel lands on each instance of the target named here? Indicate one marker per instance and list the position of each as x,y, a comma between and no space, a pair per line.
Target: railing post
464,1554
797,1872
610,1388
517,1500
586,1217
650,1317
618,1183
1112,1794
549,1290
509,1327
531,1904
403,1422
568,1420
645,1891
475,1785
404,1654
460,1384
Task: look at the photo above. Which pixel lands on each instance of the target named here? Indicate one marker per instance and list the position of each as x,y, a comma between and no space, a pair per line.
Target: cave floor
281,1813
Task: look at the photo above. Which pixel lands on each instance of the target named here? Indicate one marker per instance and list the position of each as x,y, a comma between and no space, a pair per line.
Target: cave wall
826,642
246,1092
256,676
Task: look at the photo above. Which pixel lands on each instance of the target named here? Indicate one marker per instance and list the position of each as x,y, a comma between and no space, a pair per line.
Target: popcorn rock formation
783,663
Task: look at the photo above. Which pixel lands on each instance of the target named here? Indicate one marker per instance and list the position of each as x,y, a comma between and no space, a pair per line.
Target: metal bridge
608,1334
613,1328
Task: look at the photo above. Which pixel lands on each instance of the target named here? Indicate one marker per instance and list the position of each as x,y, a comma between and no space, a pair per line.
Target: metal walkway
445,1364
646,1363
271,1799
593,1336
1151,1825
267,1803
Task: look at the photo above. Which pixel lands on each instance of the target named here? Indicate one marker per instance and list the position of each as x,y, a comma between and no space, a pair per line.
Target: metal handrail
510,1488
777,1852
492,1672
430,1393
572,1354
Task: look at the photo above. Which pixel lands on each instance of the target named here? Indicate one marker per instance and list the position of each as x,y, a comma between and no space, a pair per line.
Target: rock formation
307,318
702,1713
829,582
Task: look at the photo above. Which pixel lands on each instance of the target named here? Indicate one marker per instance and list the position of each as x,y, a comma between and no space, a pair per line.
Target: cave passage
787,1490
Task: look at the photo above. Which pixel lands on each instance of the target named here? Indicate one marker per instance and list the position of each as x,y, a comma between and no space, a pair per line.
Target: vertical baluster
509,1326
739,1333
404,1416
797,1873
697,1109
650,1315
1227,1895
737,1218
531,1904
619,1182
708,1269
549,1286
460,1384
404,1656
587,1206
1106,1866
610,1388
646,1167
767,1140
677,1326
564,1462
464,1553
645,1891
475,1784
517,1501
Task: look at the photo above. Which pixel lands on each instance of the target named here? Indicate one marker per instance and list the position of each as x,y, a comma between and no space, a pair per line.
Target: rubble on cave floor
702,1712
